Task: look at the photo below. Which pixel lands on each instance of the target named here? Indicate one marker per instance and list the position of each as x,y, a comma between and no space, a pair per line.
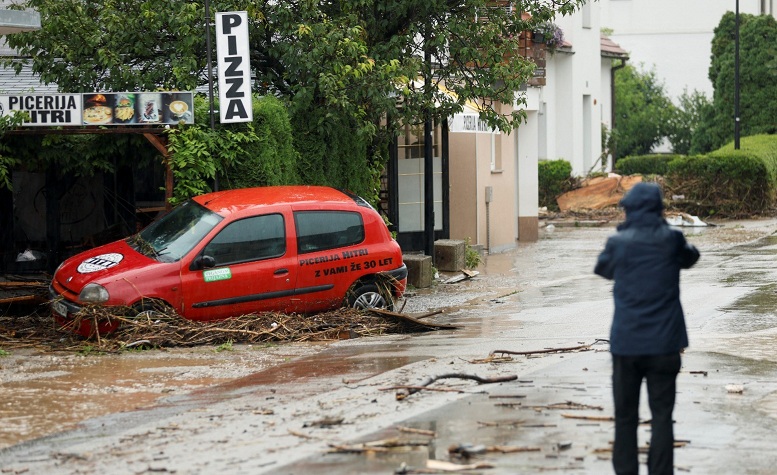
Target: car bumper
64,312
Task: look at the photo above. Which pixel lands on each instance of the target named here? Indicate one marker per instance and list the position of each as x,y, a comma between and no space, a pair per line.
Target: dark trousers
660,371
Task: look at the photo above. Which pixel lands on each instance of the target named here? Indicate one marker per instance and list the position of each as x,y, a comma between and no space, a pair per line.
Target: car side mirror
203,262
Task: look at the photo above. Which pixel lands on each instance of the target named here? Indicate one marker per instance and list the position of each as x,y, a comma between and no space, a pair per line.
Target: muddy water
43,394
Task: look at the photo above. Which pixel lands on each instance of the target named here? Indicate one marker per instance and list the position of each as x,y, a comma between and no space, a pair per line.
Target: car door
254,270
330,247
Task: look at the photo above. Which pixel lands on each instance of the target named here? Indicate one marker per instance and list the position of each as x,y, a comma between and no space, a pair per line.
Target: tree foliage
685,119
758,74
342,67
643,111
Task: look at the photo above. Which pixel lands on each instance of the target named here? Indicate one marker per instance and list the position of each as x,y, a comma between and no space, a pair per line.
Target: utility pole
736,80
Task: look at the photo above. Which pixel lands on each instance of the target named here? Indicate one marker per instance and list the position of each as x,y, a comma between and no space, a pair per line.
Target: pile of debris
164,330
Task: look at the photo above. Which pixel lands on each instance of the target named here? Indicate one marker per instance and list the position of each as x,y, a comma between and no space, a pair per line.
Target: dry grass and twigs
161,330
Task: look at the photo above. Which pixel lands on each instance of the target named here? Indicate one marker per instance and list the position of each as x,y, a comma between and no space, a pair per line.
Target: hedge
554,179
655,164
727,182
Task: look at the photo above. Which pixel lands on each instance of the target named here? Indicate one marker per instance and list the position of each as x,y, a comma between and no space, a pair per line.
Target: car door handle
281,272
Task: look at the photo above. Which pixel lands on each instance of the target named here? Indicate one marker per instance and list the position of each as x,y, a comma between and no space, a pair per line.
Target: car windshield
175,234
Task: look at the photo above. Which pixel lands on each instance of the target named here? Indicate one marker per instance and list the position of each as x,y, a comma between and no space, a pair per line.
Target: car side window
322,230
249,239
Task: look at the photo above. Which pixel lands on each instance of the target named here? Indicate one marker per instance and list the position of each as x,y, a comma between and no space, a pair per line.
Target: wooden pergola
155,135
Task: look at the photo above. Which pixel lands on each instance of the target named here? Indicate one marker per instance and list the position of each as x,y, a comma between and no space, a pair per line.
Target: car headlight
93,293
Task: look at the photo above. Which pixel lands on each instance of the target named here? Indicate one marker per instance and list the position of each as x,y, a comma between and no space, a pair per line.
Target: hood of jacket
644,205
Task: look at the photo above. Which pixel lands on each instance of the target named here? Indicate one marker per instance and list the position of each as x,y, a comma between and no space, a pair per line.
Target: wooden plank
407,319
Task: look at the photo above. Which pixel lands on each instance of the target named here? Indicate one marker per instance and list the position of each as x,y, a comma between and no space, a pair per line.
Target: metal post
210,79
428,161
736,81
210,62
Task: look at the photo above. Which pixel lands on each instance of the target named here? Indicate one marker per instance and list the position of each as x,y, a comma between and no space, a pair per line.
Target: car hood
101,265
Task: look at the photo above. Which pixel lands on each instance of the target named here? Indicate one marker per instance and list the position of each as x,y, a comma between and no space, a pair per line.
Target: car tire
149,309
370,295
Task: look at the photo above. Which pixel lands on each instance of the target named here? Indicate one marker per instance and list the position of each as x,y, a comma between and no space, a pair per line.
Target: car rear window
322,230
249,239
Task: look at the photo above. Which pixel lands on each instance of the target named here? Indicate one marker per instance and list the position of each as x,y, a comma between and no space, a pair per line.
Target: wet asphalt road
299,418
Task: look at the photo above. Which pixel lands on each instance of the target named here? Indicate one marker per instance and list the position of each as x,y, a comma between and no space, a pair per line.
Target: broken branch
480,380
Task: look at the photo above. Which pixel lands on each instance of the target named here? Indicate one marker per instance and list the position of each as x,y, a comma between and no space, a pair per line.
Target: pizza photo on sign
96,110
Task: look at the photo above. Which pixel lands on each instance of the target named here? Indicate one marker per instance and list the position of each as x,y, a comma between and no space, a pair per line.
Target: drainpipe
613,113
489,199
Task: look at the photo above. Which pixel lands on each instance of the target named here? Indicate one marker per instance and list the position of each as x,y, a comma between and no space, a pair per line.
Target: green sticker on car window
212,275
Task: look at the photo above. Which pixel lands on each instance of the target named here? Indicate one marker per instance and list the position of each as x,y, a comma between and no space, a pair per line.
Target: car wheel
370,295
149,309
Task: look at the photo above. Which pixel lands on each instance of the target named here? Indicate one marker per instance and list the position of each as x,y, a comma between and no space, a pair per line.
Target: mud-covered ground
44,391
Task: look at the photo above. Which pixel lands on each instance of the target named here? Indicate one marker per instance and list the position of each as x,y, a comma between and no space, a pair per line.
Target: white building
673,37
491,185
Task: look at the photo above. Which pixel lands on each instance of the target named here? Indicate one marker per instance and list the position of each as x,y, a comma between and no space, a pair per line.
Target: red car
301,249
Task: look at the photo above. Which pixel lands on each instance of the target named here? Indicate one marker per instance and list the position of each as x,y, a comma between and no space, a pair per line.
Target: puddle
755,311
357,362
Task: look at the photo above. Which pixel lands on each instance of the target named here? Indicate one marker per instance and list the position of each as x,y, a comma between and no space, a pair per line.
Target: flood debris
465,274
167,329
492,358
598,193
437,466
589,418
325,422
413,430
643,449
411,323
514,423
565,445
568,349
735,388
405,391
383,445
20,290
684,219
467,450
573,406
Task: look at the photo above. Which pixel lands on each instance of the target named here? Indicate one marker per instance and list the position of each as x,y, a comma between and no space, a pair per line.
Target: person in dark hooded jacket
648,332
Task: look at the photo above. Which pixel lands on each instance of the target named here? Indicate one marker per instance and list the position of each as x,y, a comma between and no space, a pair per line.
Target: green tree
643,111
685,120
758,74
343,67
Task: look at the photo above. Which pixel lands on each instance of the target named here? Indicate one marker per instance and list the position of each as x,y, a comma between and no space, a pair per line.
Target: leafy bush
555,178
654,164
728,182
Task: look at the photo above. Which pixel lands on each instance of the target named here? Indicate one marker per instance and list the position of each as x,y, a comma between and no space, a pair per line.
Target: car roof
233,201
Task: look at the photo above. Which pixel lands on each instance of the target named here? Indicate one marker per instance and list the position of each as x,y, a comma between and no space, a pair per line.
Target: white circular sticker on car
98,263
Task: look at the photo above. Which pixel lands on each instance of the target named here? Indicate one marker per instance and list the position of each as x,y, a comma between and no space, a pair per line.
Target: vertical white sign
233,67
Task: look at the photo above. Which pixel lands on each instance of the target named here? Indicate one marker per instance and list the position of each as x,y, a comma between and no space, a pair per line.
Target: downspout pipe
613,112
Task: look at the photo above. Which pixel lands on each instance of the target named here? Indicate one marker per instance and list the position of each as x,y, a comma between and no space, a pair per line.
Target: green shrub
554,179
728,182
655,164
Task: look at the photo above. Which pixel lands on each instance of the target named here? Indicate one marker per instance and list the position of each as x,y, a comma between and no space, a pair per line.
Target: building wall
491,225
673,37
573,99
463,184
